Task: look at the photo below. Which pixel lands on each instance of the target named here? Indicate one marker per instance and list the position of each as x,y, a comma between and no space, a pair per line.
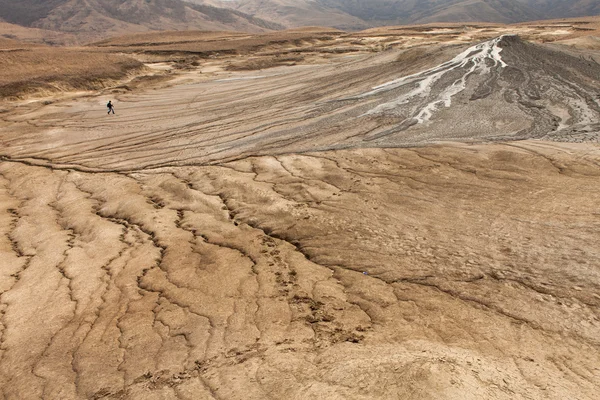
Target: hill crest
94,19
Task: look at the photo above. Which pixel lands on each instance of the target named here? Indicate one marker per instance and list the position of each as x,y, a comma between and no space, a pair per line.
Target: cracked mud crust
218,281
347,231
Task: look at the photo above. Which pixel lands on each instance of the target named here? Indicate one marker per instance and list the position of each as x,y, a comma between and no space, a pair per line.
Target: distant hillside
295,13
33,35
565,8
502,11
356,14
97,19
101,18
419,11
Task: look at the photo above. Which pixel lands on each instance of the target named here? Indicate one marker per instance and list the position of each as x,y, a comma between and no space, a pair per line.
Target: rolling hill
412,11
296,13
355,14
503,11
565,9
100,18
97,19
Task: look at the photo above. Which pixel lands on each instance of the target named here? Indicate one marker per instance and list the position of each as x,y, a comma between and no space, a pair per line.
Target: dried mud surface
395,98
439,272
255,236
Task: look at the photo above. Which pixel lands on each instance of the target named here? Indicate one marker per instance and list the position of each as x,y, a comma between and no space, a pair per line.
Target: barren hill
503,11
355,14
34,35
101,18
562,9
411,11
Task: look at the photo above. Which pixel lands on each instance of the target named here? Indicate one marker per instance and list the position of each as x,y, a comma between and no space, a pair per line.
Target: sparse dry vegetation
40,70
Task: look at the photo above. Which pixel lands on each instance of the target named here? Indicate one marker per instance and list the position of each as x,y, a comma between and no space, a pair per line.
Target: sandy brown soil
444,272
252,235
33,35
39,71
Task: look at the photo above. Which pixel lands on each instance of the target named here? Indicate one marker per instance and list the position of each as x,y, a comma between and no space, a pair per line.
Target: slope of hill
504,11
101,18
97,19
34,69
293,13
34,35
411,11
355,14
563,9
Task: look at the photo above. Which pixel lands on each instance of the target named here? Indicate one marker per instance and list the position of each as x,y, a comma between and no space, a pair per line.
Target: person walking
110,107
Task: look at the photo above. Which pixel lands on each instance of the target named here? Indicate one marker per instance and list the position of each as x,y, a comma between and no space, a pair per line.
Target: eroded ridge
441,272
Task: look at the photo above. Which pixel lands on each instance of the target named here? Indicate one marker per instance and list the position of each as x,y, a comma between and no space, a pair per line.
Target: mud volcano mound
559,90
502,88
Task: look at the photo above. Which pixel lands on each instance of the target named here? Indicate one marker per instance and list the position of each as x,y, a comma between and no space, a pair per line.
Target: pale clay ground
261,237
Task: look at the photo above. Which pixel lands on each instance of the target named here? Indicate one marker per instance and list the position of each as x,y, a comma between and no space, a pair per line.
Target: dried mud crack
407,266
200,249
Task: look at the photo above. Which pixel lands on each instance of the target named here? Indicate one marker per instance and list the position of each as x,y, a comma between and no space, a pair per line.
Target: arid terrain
356,14
82,21
398,213
86,20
